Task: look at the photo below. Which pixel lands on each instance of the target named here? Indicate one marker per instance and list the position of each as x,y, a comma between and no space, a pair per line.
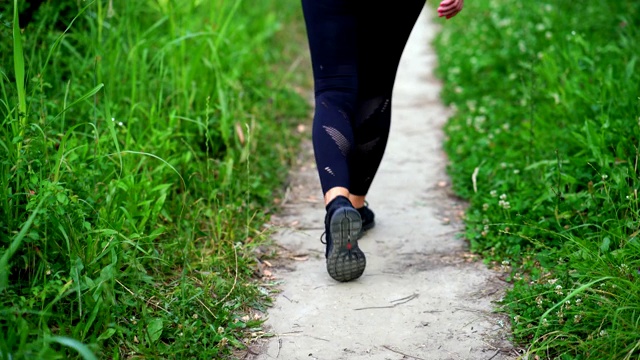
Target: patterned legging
355,48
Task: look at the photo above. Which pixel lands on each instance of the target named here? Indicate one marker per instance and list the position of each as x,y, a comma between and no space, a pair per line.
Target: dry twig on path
397,302
401,353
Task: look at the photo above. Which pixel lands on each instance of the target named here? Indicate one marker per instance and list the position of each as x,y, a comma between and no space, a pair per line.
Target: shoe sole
346,261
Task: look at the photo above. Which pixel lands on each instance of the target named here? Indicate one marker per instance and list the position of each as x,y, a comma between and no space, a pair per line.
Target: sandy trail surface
422,295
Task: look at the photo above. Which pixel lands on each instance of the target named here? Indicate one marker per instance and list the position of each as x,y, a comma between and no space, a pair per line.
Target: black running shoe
368,218
345,260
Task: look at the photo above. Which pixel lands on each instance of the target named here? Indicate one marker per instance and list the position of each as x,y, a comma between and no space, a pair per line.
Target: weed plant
544,144
140,146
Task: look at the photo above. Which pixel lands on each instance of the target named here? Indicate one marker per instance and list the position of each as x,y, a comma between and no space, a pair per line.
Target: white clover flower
522,46
504,23
504,204
558,289
485,207
479,120
624,267
493,193
503,196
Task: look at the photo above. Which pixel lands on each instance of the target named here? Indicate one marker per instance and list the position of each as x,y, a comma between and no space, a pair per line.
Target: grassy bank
545,145
140,146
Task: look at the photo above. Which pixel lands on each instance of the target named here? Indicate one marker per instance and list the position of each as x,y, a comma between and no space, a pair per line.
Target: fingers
450,4
449,8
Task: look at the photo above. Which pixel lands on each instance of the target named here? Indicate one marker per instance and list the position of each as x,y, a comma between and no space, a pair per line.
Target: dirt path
421,296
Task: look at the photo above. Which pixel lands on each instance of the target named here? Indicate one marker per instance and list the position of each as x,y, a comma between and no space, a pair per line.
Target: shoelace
321,238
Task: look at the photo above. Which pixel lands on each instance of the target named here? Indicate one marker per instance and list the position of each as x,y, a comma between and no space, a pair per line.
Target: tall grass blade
18,65
89,94
81,348
15,244
59,39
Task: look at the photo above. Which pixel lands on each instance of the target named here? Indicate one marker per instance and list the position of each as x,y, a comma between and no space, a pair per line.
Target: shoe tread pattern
345,261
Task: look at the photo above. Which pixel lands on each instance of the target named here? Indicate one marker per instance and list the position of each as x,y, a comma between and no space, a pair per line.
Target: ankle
358,201
334,192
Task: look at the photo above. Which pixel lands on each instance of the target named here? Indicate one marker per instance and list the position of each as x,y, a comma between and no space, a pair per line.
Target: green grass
544,144
141,146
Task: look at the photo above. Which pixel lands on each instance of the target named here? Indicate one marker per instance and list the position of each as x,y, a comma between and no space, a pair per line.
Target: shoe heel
346,261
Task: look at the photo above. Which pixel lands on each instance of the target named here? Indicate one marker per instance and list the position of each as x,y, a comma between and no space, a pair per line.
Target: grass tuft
141,148
544,144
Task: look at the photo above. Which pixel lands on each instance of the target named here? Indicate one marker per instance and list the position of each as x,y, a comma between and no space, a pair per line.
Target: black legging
355,48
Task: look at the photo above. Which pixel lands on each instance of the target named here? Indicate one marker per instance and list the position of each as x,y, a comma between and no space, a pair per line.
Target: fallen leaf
240,133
